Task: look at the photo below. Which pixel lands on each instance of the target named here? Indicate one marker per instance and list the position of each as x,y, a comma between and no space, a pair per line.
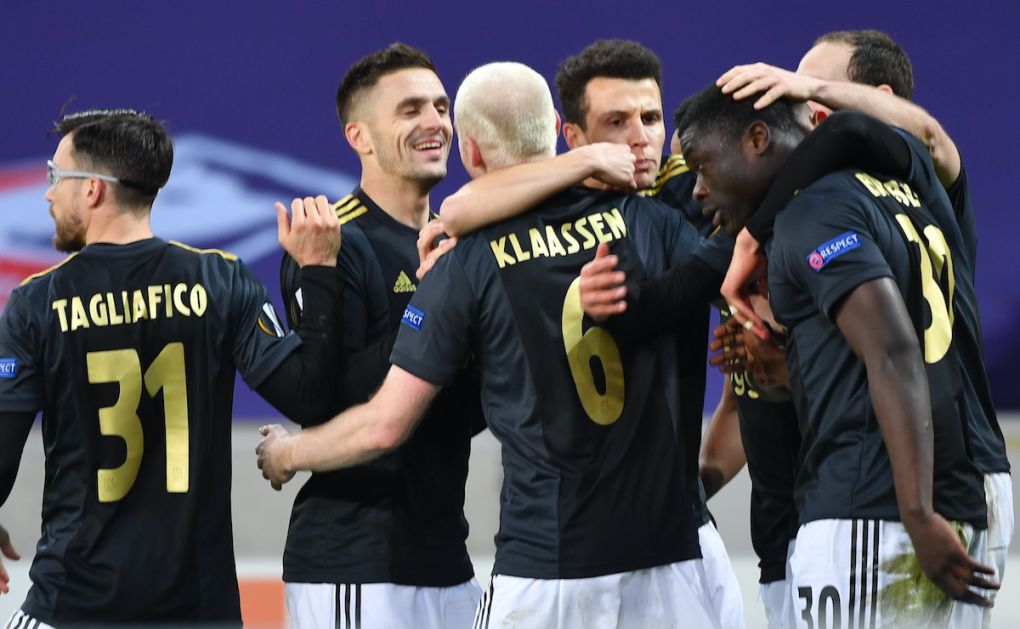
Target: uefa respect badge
829,251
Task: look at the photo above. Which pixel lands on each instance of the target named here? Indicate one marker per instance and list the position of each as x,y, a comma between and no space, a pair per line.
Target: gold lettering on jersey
555,247
538,248
898,190
97,310
592,229
106,309
572,244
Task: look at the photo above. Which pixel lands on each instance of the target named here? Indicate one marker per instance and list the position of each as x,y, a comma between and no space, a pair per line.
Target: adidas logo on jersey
404,284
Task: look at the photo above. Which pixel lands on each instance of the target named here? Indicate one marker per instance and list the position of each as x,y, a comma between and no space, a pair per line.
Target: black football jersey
400,518
599,470
843,231
130,352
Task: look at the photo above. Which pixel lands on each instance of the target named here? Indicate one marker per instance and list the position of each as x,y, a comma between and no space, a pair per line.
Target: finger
275,485
729,76
602,281
980,582
264,429
8,550
770,96
604,298
974,566
742,311
325,210
759,84
602,252
311,211
599,266
972,597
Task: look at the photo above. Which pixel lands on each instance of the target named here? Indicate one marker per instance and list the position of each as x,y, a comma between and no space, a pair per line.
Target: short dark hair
610,58
711,109
876,60
367,71
131,145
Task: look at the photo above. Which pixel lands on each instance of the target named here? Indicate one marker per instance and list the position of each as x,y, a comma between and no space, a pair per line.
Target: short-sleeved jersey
130,352
987,443
770,435
400,518
599,469
845,230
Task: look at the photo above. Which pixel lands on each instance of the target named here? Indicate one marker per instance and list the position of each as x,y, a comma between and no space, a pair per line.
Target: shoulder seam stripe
350,209
669,174
226,255
349,205
336,206
49,270
350,216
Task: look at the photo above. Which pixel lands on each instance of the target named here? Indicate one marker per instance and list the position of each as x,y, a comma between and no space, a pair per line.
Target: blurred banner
247,89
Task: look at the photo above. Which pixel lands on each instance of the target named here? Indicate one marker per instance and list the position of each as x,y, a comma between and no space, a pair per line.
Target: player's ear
573,135
757,137
559,121
886,88
94,190
358,137
818,117
477,161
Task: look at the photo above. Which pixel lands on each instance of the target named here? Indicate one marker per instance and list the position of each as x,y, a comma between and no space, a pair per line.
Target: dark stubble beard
69,236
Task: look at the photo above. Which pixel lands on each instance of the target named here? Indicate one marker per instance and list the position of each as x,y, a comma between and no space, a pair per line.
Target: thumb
282,222
602,250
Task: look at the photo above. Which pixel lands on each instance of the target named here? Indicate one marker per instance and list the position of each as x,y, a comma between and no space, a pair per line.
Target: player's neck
404,200
119,228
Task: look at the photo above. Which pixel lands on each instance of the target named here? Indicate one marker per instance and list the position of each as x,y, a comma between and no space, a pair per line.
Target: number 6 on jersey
602,408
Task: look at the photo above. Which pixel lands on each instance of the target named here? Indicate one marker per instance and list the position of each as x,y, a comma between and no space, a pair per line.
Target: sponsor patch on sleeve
268,322
8,367
413,318
829,251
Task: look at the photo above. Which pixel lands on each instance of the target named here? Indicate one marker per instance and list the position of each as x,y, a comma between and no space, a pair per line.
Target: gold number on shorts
582,347
939,333
121,420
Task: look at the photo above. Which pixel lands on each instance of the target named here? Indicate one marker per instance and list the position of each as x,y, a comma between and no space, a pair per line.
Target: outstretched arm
747,80
508,192
359,434
651,308
874,320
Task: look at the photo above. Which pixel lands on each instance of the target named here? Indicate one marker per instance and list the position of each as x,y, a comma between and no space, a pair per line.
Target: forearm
898,112
722,452
355,436
511,191
303,386
363,432
845,140
898,387
655,307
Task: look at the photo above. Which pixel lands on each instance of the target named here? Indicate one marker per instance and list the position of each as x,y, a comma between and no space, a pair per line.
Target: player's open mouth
432,147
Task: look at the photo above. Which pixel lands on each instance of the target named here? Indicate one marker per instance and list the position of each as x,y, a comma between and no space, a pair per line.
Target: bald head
507,111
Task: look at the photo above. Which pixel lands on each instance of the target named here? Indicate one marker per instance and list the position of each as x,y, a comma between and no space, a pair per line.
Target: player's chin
645,180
